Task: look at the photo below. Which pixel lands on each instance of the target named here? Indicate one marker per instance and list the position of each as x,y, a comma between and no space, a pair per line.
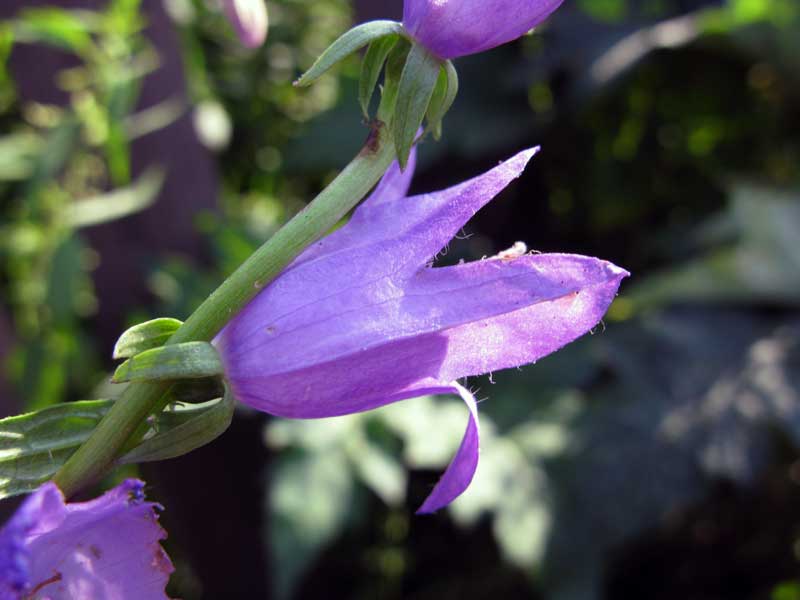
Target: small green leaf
145,336
117,203
356,38
34,446
371,68
189,360
183,428
414,93
444,94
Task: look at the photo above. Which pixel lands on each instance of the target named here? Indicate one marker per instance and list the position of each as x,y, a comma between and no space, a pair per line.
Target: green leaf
145,336
18,153
58,27
183,428
356,38
414,93
116,204
371,68
33,446
444,94
189,360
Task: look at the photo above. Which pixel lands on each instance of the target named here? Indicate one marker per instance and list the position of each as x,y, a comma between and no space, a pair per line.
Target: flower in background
453,28
106,549
362,319
250,20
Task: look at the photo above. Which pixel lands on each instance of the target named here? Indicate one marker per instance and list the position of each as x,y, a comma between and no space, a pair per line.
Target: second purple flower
362,319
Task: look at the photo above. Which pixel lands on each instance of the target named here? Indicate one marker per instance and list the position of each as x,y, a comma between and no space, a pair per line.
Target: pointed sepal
371,68
190,360
182,428
414,93
145,336
356,38
444,94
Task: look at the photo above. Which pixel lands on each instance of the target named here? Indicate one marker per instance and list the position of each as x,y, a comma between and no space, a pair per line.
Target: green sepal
371,68
391,80
356,38
189,360
417,83
145,336
33,446
182,428
444,94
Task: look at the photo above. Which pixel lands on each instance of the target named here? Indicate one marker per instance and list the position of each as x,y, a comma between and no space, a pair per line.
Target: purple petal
388,340
250,20
462,468
393,185
558,297
367,263
107,548
452,28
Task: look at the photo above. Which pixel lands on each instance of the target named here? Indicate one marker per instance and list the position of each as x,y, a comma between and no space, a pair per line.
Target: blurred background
144,154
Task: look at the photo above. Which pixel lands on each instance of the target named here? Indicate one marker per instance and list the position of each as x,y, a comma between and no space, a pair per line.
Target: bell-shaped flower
453,28
106,549
362,318
250,20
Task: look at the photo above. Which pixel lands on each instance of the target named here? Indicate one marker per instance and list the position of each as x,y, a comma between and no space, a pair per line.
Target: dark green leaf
413,98
443,96
33,446
189,360
356,38
183,428
145,336
371,68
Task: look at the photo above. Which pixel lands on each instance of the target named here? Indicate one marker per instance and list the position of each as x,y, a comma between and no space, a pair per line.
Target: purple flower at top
105,549
453,28
250,20
362,318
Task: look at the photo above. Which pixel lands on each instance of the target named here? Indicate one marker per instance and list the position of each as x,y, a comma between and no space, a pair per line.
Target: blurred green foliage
57,165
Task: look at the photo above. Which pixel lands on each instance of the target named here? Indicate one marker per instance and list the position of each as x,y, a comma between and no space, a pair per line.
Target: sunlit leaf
34,446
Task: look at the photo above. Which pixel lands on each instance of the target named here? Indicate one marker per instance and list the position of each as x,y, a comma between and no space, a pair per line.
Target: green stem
96,457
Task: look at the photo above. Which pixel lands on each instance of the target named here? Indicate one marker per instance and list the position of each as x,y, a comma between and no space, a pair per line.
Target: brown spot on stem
373,143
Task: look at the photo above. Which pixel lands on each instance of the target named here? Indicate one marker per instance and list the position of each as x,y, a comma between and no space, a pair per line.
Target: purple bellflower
453,28
105,549
362,319
249,19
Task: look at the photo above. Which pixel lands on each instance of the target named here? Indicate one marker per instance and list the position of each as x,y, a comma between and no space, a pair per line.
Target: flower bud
249,19
452,28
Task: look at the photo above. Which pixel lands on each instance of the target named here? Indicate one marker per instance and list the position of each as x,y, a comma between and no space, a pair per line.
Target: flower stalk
100,452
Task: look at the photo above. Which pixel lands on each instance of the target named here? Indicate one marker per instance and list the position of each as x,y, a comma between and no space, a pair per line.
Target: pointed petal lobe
461,470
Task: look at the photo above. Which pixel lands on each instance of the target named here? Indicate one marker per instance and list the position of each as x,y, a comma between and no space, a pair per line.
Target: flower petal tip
461,470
